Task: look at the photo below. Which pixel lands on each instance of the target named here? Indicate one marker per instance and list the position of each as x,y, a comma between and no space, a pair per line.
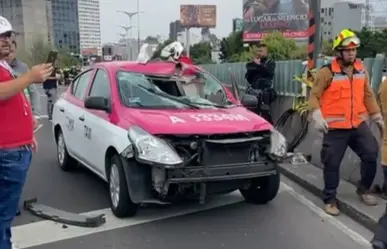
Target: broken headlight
278,144
151,149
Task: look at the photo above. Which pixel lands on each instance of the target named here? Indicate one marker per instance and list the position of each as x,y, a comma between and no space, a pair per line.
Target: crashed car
164,132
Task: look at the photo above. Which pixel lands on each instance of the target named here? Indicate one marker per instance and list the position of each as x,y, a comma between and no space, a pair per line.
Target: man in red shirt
16,132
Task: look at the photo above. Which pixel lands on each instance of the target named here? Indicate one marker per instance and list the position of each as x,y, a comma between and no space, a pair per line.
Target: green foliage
372,43
326,48
300,53
231,45
279,47
200,53
38,51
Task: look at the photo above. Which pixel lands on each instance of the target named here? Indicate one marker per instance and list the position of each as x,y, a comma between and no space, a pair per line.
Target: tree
200,53
231,47
326,48
372,42
301,53
38,51
65,58
279,47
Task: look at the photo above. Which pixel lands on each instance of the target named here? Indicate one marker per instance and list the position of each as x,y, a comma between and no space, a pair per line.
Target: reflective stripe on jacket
342,103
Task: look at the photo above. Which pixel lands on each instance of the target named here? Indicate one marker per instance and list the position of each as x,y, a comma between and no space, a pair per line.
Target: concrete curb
366,220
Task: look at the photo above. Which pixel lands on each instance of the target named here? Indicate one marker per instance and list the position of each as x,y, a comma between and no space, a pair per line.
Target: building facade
175,29
31,20
65,24
89,26
341,15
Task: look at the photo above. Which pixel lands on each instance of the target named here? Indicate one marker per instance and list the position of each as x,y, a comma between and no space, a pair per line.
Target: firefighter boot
367,197
331,209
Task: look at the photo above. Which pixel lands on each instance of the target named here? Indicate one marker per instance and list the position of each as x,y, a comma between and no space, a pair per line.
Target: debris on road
61,216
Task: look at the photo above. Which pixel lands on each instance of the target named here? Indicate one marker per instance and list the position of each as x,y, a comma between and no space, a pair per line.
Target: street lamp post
128,31
131,15
124,38
138,25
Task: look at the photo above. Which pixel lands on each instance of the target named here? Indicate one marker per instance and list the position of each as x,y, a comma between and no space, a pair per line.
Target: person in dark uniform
259,74
50,89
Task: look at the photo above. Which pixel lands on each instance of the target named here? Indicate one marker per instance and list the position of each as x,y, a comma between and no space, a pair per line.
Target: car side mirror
249,101
97,103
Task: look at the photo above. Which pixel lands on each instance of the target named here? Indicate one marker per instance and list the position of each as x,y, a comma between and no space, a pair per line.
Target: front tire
262,190
121,203
65,161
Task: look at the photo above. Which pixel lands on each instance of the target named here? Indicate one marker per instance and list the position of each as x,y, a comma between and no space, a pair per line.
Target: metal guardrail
285,70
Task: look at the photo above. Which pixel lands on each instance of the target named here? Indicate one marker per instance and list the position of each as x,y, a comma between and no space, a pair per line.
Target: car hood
203,121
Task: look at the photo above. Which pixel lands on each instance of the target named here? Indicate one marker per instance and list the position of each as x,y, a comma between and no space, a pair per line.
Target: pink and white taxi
162,132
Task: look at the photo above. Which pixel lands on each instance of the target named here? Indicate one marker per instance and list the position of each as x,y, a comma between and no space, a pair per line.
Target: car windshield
198,90
202,89
137,91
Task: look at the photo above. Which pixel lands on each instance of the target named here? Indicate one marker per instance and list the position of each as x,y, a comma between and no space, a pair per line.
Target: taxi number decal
210,118
218,117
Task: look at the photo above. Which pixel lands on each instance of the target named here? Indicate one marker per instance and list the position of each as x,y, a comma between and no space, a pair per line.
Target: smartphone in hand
52,57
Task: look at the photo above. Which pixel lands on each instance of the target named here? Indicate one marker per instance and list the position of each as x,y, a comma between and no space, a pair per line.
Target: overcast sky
156,19
159,13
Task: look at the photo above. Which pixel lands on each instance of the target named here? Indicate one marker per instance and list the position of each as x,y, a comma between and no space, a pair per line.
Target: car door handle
82,118
61,109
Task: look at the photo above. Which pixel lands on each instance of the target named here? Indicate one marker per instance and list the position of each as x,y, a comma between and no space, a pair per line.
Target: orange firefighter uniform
382,99
343,99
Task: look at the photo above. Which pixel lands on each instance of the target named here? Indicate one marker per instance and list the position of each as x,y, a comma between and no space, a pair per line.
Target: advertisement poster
262,17
198,16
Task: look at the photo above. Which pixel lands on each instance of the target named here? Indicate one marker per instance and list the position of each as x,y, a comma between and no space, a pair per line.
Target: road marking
332,220
43,232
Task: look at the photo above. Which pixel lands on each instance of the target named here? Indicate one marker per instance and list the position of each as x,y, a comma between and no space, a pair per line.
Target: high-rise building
65,24
175,29
89,26
31,20
333,20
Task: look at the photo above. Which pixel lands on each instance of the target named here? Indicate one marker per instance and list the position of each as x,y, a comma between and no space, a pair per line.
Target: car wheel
262,190
120,201
65,161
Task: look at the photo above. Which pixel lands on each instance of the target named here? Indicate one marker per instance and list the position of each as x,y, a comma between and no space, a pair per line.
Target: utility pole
367,14
131,15
314,33
129,50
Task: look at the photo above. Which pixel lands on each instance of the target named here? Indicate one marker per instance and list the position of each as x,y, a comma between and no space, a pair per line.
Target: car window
80,85
203,87
100,86
137,91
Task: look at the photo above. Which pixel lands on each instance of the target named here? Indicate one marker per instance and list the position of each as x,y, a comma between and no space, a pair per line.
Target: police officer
259,74
341,100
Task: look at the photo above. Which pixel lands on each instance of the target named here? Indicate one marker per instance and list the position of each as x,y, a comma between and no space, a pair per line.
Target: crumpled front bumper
224,172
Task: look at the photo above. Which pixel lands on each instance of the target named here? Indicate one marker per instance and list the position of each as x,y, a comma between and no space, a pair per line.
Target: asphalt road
293,220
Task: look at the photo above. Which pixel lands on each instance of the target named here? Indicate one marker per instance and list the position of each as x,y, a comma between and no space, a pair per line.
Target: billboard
261,17
198,16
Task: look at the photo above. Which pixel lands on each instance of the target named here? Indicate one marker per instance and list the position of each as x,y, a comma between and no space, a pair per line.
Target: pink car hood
203,121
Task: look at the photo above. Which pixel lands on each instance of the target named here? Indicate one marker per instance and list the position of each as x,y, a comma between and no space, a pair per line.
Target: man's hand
319,122
39,73
378,119
35,122
35,145
257,61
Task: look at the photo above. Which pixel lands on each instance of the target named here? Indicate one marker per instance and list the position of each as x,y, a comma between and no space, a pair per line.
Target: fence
285,70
